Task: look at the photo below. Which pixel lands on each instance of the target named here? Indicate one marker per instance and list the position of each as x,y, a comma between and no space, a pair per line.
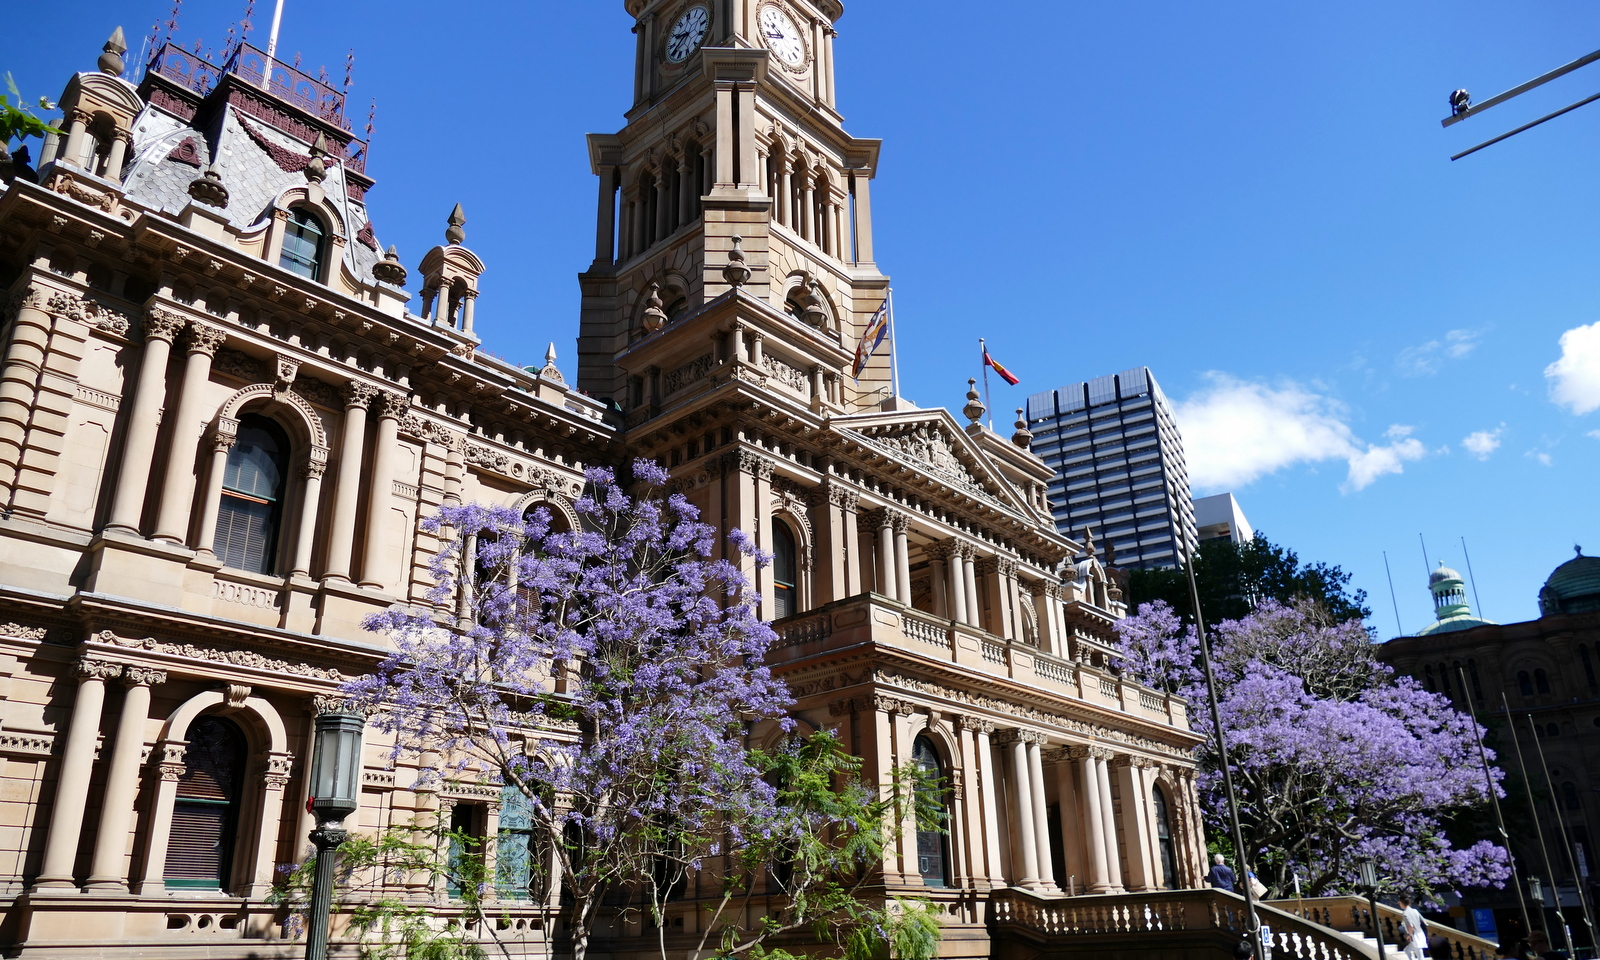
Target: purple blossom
1332,756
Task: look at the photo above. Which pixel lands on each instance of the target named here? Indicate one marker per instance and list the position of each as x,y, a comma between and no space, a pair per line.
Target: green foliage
1233,579
823,854
372,866
19,122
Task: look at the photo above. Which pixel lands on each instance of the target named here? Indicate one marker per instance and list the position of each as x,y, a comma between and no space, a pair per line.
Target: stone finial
453,234
737,272
550,354
974,409
1023,436
654,317
209,189
111,56
317,167
389,269
1088,541
549,371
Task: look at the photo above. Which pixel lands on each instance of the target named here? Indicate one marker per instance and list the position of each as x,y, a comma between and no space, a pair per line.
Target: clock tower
734,227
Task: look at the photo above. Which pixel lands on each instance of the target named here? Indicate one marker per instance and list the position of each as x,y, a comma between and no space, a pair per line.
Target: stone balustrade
1354,915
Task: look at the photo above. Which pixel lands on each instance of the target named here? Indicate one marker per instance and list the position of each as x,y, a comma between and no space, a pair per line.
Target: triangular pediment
931,442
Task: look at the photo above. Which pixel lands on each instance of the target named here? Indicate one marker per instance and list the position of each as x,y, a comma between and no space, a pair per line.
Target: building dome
1450,608
1573,587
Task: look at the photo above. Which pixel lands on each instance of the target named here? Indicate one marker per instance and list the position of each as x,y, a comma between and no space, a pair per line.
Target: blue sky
1254,199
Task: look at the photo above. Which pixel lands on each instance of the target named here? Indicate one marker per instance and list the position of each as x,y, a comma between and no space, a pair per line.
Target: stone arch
314,431
559,506
262,718
317,200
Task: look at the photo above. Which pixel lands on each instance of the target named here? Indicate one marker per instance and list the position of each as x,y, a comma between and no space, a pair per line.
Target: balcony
874,619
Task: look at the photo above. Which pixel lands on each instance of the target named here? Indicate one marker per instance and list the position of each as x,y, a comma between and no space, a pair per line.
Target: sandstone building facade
221,425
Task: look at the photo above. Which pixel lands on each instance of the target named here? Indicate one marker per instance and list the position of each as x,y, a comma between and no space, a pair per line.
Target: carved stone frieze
926,445
692,372
21,632
84,310
240,366
792,377
234,657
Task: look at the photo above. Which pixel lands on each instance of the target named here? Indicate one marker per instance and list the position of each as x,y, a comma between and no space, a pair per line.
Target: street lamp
335,794
1369,879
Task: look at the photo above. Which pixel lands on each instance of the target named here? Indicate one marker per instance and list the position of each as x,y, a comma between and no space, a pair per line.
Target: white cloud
1543,458
1425,359
1595,434
1483,442
1236,431
1575,378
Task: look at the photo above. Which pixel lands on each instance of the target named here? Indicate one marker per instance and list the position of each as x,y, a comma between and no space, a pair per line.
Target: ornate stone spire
1023,436
209,189
111,57
737,272
974,409
453,233
549,371
389,269
654,317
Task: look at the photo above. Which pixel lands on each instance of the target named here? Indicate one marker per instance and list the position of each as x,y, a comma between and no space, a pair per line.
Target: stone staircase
1352,916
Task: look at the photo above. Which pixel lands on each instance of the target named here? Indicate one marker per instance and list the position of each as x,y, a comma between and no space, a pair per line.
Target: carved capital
359,395
173,756
314,469
985,566
1018,735
937,552
206,339
745,461
88,669
143,676
162,324
1006,566
839,495
900,520
330,703
393,405
975,724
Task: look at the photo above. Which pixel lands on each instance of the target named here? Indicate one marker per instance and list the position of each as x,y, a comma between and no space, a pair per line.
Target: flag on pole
1005,374
872,338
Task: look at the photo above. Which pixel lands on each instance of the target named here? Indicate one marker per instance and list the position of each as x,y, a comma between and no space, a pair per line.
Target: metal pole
1377,923
1561,822
1494,801
1472,576
1392,598
1538,831
272,38
1252,922
894,348
326,838
983,350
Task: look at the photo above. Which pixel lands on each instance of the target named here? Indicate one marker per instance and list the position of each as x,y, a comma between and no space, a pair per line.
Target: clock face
687,33
782,37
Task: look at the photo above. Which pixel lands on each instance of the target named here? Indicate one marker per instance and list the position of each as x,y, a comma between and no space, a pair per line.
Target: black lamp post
335,794
1369,879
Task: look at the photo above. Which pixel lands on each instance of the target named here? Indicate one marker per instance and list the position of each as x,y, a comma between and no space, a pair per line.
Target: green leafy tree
1234,579
17,120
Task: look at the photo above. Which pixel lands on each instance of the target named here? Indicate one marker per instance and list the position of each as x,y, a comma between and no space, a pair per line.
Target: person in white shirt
1413,934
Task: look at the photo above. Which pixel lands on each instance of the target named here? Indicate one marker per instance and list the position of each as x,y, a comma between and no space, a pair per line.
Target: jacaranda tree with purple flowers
1333,756
611,673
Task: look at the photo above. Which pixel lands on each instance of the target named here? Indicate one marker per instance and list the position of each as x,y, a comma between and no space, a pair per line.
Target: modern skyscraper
1219,517
1119,466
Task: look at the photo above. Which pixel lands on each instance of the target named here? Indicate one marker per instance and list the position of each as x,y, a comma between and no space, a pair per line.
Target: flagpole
894,350
983,352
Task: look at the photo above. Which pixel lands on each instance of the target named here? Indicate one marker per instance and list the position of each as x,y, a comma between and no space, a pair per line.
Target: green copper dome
1450,608
1573,587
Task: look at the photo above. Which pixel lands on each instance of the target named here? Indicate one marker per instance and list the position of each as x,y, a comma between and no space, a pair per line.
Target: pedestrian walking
1221,875
1413,932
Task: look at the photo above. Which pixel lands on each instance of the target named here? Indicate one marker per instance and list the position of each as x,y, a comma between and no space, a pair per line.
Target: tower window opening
1525,683
1541,680
304,241
1588,666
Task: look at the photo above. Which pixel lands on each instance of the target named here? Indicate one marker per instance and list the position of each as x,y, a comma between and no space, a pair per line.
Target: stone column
19,378
686,189
783,208
108,872
969,565
1130,782
763,505
188,427
274,779
1023,822
727,136
152,882
958,581
306,536
1108,815
1010,619
664,203
902,558
808,207
72,781
748,168
888,581
861,178
77,126
1074,865
144,420
939,575
347,492
391,407
121,140
1041,812
222,439
1093,824
853,580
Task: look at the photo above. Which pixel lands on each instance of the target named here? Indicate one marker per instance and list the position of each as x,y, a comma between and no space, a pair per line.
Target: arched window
513,848
1541,680
1569,795
1169,857
784,564
304,241
1588,666
252,496
205,814
1444,681
1477,688
1551,730
1427,678
933,853
1524,683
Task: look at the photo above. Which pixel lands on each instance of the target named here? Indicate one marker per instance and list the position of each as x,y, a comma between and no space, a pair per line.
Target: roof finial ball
111,56
209,189
737,272
974,408
1023,436
453,233
389,270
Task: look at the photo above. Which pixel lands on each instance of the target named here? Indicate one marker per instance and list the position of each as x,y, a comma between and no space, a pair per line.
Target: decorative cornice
237,658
